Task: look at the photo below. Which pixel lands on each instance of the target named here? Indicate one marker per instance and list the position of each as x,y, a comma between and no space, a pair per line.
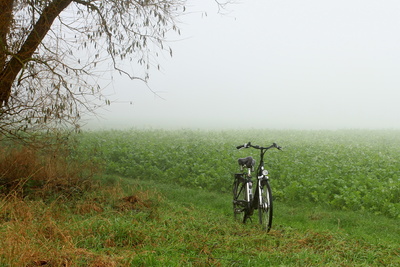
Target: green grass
131,222
154,208
196,228
302,234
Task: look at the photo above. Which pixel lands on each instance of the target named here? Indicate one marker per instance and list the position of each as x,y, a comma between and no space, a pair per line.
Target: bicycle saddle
249,162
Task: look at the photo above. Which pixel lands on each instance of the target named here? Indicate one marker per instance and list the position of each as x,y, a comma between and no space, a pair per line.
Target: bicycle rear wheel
265,209
240,205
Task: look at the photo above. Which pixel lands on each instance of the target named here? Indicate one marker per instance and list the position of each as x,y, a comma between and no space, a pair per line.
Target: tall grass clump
41,171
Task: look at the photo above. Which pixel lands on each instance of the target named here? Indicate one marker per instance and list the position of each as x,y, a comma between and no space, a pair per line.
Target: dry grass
32,234
30,171
35,185
35,233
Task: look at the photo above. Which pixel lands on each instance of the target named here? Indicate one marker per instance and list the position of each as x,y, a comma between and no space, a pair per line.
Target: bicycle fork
262,204
261,177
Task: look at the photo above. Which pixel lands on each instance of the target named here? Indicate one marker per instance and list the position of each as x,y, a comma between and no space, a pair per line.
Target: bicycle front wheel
240,205
265,208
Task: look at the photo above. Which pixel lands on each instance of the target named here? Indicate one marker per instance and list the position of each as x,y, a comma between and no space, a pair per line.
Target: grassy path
201,232
129,222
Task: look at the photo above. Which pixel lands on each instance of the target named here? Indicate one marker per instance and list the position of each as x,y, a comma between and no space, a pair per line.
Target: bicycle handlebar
247,145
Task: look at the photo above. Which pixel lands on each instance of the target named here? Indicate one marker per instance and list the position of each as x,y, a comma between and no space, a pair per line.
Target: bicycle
244,203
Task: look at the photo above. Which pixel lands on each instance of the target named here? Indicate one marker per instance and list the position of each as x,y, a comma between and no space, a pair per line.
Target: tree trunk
10,70
6,7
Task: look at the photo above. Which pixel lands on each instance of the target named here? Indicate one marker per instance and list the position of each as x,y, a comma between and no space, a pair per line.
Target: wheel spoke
265,206
240,205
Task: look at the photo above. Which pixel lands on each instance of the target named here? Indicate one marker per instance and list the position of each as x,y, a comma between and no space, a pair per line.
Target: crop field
346,170
163,198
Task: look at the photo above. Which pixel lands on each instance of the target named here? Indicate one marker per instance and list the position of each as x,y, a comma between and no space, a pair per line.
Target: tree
50,49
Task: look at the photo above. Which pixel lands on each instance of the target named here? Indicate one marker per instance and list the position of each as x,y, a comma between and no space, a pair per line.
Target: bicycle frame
252,196
262,199
260,177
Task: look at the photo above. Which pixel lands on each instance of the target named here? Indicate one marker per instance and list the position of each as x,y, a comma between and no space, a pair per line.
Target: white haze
289,64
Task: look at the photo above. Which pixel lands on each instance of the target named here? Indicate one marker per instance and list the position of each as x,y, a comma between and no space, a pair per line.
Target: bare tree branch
39,31
53,54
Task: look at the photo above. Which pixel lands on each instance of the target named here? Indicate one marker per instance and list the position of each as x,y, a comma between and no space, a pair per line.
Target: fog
283,64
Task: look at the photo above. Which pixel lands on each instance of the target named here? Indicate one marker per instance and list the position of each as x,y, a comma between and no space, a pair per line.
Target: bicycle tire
265,210
240,205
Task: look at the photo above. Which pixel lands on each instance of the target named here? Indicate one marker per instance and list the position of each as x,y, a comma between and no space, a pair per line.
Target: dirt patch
134,202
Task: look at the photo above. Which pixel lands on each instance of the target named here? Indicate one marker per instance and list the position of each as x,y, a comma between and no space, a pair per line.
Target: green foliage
346,170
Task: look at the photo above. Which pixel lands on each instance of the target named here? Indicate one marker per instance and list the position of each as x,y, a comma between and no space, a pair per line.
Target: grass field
163,199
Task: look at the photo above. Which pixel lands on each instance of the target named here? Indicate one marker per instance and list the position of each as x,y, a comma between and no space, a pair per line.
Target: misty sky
272,64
